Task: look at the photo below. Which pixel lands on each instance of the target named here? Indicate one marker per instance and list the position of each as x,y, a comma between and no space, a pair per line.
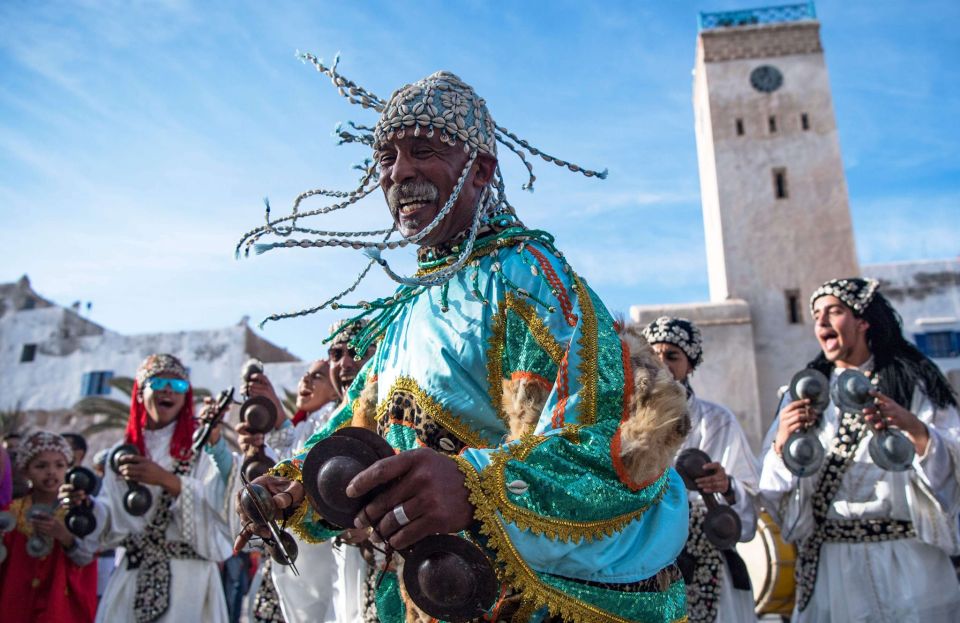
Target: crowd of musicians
873,540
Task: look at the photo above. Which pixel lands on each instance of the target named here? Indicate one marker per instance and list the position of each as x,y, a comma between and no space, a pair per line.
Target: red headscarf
180,444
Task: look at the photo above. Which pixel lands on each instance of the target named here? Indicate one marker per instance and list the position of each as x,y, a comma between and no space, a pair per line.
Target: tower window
804,121
29,353
772,124
780,183
739,127
794,313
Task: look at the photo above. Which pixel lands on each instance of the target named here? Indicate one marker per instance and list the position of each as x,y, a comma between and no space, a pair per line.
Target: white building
51,357
776,214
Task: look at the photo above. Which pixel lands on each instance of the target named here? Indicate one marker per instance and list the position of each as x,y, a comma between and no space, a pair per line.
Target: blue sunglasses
177,385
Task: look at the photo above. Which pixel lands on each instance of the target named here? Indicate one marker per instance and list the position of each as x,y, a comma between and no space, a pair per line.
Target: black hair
76,441
897,362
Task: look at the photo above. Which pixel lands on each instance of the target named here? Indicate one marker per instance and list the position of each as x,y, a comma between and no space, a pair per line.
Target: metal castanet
803,453
202,435
446,576
721,525
7,523
138,499
889,447
80,520
39,546
260,415
258,505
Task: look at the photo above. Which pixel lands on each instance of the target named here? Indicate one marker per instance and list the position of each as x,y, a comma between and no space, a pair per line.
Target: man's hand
249,442
141,469
716,480
795,416
260,385
207,413
429,488
887,412
286,494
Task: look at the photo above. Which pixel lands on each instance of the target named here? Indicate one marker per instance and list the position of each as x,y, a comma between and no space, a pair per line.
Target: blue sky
137,140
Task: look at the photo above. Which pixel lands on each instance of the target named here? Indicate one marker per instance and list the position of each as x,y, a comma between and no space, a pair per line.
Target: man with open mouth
327,588
520,418
874,543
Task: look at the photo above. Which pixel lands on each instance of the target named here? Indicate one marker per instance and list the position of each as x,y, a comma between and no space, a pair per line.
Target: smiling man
874,545
521,418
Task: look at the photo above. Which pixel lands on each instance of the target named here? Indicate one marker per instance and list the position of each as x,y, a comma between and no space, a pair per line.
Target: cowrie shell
517,487
446,444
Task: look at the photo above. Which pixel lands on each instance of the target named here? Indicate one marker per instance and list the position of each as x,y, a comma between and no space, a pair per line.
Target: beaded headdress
440,103
42,441
343,331
182,440
854,292
158,364
677,331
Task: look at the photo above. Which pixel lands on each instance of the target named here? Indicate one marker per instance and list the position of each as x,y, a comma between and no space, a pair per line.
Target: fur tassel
658,421
523,400
365,409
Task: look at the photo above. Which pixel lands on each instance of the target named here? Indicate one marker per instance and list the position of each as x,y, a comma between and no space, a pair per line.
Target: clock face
766,78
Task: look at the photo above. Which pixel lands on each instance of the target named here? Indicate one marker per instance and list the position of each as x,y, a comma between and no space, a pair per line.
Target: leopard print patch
405,411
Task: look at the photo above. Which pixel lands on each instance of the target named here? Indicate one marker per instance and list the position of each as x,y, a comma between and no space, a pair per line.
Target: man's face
343,366
315,388
674,358
163,405
418,175
842,336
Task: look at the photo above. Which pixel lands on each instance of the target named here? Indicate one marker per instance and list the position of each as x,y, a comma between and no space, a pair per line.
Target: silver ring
400,515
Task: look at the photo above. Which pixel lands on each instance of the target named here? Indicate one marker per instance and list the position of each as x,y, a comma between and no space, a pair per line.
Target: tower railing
760,15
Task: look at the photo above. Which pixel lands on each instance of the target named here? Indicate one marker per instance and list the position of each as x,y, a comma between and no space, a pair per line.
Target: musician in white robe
718,588
169,571
329,587
874,545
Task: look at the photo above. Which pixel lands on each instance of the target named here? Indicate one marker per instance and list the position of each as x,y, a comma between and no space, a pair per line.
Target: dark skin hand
428,484
286,494
716,480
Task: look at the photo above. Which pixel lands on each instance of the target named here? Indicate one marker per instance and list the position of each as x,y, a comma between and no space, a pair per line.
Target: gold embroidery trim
296,521
541,334
493,481
588,355
426,402
517,573
495,361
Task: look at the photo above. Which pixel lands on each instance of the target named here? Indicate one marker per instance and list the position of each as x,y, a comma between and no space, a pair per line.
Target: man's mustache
420,191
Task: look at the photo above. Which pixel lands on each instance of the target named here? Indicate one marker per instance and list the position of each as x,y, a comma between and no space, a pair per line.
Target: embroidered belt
867,530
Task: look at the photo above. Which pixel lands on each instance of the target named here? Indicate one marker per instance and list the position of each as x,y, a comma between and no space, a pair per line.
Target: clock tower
773,189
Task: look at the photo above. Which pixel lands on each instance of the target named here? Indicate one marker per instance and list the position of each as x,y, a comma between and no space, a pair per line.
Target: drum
770,561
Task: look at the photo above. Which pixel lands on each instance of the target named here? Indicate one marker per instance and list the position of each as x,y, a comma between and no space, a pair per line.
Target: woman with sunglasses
169,570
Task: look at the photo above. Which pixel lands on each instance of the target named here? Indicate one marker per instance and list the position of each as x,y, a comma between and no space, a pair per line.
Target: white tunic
716,431
314,595
201,516
905,580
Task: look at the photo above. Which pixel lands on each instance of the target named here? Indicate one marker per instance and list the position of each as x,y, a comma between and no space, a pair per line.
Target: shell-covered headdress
854,292
42,441
159,364
677,331
440,103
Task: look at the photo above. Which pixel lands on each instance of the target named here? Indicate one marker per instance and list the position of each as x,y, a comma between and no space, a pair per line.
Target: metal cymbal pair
258,505
446,576
721,525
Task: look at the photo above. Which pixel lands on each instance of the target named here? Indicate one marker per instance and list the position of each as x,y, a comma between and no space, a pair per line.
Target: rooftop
760,15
